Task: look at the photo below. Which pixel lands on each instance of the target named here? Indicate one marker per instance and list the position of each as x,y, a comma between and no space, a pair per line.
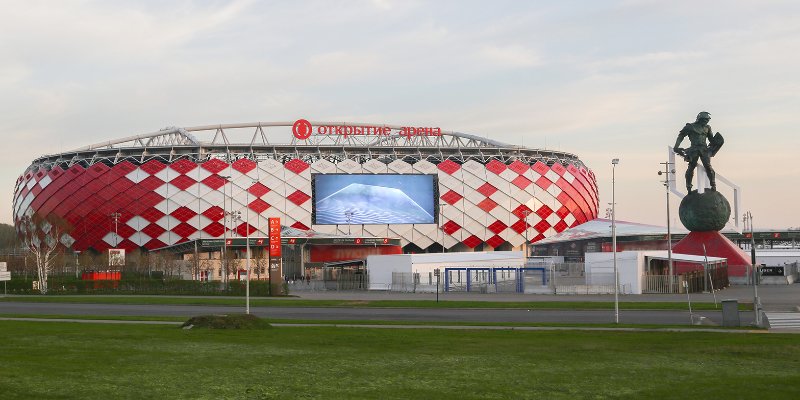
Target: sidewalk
773,297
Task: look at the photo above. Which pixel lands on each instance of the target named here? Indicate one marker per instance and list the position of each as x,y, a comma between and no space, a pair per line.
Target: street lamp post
614,163
667,171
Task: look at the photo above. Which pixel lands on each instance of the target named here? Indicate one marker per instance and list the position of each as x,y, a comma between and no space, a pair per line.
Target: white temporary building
386,271
631,267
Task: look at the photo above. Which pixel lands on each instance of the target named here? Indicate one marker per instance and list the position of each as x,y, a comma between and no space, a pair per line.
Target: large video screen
341,199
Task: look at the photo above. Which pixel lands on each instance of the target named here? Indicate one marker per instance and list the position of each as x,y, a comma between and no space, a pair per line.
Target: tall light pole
614,163
115,216
748,218
441,222
223,262
527,245
667,171
348,215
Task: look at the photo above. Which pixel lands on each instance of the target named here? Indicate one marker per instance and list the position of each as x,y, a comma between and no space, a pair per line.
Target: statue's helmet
703,115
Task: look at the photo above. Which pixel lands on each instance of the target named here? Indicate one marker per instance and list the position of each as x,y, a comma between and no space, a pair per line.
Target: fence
696,281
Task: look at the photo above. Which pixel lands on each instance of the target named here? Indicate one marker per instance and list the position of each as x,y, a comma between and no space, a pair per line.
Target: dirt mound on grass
234,321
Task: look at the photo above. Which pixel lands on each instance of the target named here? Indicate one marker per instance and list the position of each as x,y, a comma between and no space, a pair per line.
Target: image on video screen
373,199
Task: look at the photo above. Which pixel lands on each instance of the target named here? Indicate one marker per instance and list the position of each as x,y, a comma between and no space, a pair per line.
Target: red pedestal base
716,245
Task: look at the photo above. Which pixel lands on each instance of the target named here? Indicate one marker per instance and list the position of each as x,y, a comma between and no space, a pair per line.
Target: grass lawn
96,361
279,302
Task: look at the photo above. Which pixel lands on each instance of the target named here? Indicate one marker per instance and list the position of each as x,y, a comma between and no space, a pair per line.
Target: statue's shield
715,143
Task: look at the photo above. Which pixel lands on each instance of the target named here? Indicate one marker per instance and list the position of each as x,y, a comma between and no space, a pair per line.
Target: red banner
274,237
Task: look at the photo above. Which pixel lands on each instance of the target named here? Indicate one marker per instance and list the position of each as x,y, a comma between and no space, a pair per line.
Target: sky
599,79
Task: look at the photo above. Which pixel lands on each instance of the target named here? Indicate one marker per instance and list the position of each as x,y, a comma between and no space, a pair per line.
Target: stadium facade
431,189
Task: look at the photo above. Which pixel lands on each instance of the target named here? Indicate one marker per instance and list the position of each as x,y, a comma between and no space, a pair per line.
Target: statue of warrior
699,132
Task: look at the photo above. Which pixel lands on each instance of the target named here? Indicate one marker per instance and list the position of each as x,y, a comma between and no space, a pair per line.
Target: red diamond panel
258,189
182,182
152,167
449,166
495,241
128,245
215,165
151,199
151,183
214,181
245,229
472,242
243,165
136,207
183,166
296,165
214,213
487,204
560,226
519,167
521,182
497,227
540,167
184,230
544,212
496,167
124,167
97,169
183,214
562,212
153,230
543,182
542,226
152,215
520,226
214,229
154,244
487,189
298,197
558,168
537,238
450,227
521,211
258,205
299,225
451,197
124,230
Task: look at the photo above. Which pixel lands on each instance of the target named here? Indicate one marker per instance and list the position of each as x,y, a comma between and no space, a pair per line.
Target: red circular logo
302,129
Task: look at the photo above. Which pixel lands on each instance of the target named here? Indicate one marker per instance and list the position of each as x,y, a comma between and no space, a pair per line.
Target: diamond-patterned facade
489,201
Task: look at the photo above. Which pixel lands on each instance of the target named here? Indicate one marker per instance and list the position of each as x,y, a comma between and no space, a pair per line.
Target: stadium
415,189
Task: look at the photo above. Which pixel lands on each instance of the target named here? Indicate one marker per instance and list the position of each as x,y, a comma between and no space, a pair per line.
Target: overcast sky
600,79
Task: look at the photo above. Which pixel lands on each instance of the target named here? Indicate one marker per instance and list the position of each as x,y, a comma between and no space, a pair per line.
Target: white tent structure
398,272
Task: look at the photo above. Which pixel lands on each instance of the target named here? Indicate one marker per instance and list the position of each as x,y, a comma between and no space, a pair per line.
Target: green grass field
96,361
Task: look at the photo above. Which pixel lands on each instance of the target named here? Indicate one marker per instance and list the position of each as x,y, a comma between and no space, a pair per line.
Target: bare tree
42,236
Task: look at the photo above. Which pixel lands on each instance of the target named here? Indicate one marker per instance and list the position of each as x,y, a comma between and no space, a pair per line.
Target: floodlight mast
614,163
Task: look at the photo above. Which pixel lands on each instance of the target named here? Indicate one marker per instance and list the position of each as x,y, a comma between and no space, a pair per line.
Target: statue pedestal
717,245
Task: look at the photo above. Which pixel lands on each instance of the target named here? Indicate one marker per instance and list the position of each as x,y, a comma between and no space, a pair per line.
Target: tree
42,236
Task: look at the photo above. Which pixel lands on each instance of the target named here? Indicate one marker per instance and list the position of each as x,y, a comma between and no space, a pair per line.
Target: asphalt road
374,314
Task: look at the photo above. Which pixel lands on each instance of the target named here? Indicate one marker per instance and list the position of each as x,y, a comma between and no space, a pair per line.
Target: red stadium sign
274,237
302,129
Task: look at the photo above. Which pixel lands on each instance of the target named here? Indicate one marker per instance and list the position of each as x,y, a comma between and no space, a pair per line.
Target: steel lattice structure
169,186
